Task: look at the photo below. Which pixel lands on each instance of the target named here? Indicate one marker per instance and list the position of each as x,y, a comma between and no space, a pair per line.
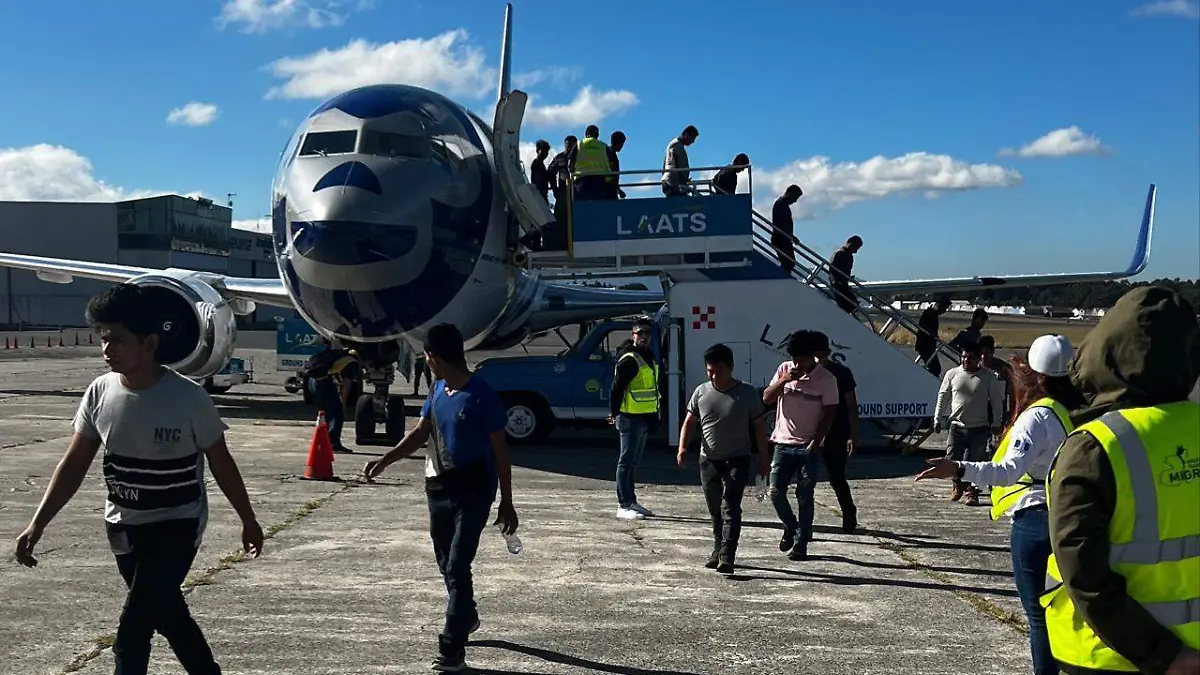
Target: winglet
506,55
1141,253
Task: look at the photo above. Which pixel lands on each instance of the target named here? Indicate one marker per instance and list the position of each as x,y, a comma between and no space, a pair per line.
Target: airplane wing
63,271
1141,256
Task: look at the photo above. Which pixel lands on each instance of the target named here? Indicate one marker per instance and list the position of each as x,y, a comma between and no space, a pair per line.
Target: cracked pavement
352,587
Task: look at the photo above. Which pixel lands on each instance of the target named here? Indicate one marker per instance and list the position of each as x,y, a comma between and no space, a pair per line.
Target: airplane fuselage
387,218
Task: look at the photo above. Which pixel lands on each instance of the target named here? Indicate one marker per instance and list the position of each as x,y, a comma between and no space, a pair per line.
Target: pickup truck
569,388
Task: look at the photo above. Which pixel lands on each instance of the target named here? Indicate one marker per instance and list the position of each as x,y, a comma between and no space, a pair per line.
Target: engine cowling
198,329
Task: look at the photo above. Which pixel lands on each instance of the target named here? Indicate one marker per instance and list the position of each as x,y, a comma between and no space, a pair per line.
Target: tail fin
506,55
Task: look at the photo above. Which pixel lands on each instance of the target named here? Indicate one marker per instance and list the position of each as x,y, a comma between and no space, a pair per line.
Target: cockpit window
329,143
391,144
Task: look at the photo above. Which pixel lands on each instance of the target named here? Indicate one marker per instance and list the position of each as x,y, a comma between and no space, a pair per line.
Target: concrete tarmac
348,583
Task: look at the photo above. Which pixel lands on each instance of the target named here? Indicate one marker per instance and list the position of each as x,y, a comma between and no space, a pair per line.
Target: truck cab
569,388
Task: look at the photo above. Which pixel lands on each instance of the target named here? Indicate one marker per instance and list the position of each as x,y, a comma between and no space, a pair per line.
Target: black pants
459,507
835,456
845,298
154,561
724,482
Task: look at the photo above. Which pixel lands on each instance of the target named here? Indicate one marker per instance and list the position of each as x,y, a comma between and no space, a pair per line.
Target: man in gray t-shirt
733,442
157,429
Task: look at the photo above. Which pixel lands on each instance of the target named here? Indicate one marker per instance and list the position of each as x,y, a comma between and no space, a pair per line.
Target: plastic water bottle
513,542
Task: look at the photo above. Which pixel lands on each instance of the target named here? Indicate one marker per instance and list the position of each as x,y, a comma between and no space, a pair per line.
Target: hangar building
158,232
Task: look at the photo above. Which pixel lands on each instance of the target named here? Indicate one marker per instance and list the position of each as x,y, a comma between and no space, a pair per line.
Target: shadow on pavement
840,580
564,659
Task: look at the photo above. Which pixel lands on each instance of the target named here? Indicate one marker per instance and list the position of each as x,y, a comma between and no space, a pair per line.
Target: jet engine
198,327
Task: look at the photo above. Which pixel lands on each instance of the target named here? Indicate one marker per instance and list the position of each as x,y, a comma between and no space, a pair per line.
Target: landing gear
380,406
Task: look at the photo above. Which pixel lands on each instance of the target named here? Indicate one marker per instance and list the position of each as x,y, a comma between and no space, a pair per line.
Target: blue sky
894,117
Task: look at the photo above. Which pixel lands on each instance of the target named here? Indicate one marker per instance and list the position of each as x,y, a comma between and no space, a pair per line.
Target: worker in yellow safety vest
590,165
1019,469
634,406
1124,496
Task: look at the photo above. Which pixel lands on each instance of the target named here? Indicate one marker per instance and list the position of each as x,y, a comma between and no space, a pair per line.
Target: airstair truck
721,283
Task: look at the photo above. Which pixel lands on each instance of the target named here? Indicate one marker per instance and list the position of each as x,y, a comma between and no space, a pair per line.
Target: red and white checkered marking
704,318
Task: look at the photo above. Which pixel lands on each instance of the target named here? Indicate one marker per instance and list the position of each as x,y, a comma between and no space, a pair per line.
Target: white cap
1050,355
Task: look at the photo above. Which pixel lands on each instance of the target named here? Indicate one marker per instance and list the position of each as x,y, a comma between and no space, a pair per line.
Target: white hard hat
1050,355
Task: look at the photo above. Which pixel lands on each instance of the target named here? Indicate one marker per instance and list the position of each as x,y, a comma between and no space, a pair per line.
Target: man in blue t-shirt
467,461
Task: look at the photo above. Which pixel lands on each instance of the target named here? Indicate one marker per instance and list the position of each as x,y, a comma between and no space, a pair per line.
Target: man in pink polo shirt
808,397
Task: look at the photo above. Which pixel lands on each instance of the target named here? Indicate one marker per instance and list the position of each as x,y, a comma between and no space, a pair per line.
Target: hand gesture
679,457
941,468
372,469
25,543
851,448
252,538
506,518
611,420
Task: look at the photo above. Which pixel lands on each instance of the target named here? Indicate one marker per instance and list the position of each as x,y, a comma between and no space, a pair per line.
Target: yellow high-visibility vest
1003,497
591,157
641,396
1154,534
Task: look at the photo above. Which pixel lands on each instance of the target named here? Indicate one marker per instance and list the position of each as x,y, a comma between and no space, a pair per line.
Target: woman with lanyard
1018,473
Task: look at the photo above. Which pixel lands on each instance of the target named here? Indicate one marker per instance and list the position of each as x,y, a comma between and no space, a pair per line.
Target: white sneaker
641,509
629,514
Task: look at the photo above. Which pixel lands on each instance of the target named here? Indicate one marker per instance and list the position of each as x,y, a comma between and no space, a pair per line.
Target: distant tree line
1096,295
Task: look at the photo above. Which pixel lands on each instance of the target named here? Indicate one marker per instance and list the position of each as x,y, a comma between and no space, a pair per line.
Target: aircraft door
524,202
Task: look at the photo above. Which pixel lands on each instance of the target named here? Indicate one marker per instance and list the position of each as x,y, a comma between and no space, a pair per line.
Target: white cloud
588,107
446,63
52,173
259,225
557,75
260,16
1061,143
1188,9
834,186
194,114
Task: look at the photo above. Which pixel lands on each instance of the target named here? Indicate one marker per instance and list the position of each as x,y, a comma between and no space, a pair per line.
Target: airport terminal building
158,232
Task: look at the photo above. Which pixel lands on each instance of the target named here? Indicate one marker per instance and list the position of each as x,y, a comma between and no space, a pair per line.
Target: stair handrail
821,265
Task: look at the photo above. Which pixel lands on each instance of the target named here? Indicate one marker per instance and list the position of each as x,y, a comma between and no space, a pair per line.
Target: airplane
394,209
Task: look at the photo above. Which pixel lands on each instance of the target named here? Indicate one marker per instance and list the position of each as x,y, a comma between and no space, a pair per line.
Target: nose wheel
369,414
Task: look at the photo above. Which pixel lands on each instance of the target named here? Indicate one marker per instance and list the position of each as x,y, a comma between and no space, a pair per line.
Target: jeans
1030,545
967,444
724,482
634,431
325,393
834,455
154,560
794,461
458,514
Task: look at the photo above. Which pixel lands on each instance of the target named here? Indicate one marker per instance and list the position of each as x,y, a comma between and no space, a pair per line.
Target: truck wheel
529,420
364,420
394,425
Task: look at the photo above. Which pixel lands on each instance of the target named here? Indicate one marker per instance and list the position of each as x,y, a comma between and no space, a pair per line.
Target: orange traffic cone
320,452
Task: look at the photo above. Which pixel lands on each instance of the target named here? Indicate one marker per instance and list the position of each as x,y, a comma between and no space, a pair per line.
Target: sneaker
799,551
641,509
956,492
713,560
629,514
455,663
850,520
787,540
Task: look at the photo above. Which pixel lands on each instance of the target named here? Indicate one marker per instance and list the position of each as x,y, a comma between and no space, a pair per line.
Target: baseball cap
1050,355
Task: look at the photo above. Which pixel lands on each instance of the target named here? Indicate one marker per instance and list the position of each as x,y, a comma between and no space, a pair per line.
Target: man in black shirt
616,143
539,176
842,440
726,180
783,238
1004,372
842,271
927,336
633,410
